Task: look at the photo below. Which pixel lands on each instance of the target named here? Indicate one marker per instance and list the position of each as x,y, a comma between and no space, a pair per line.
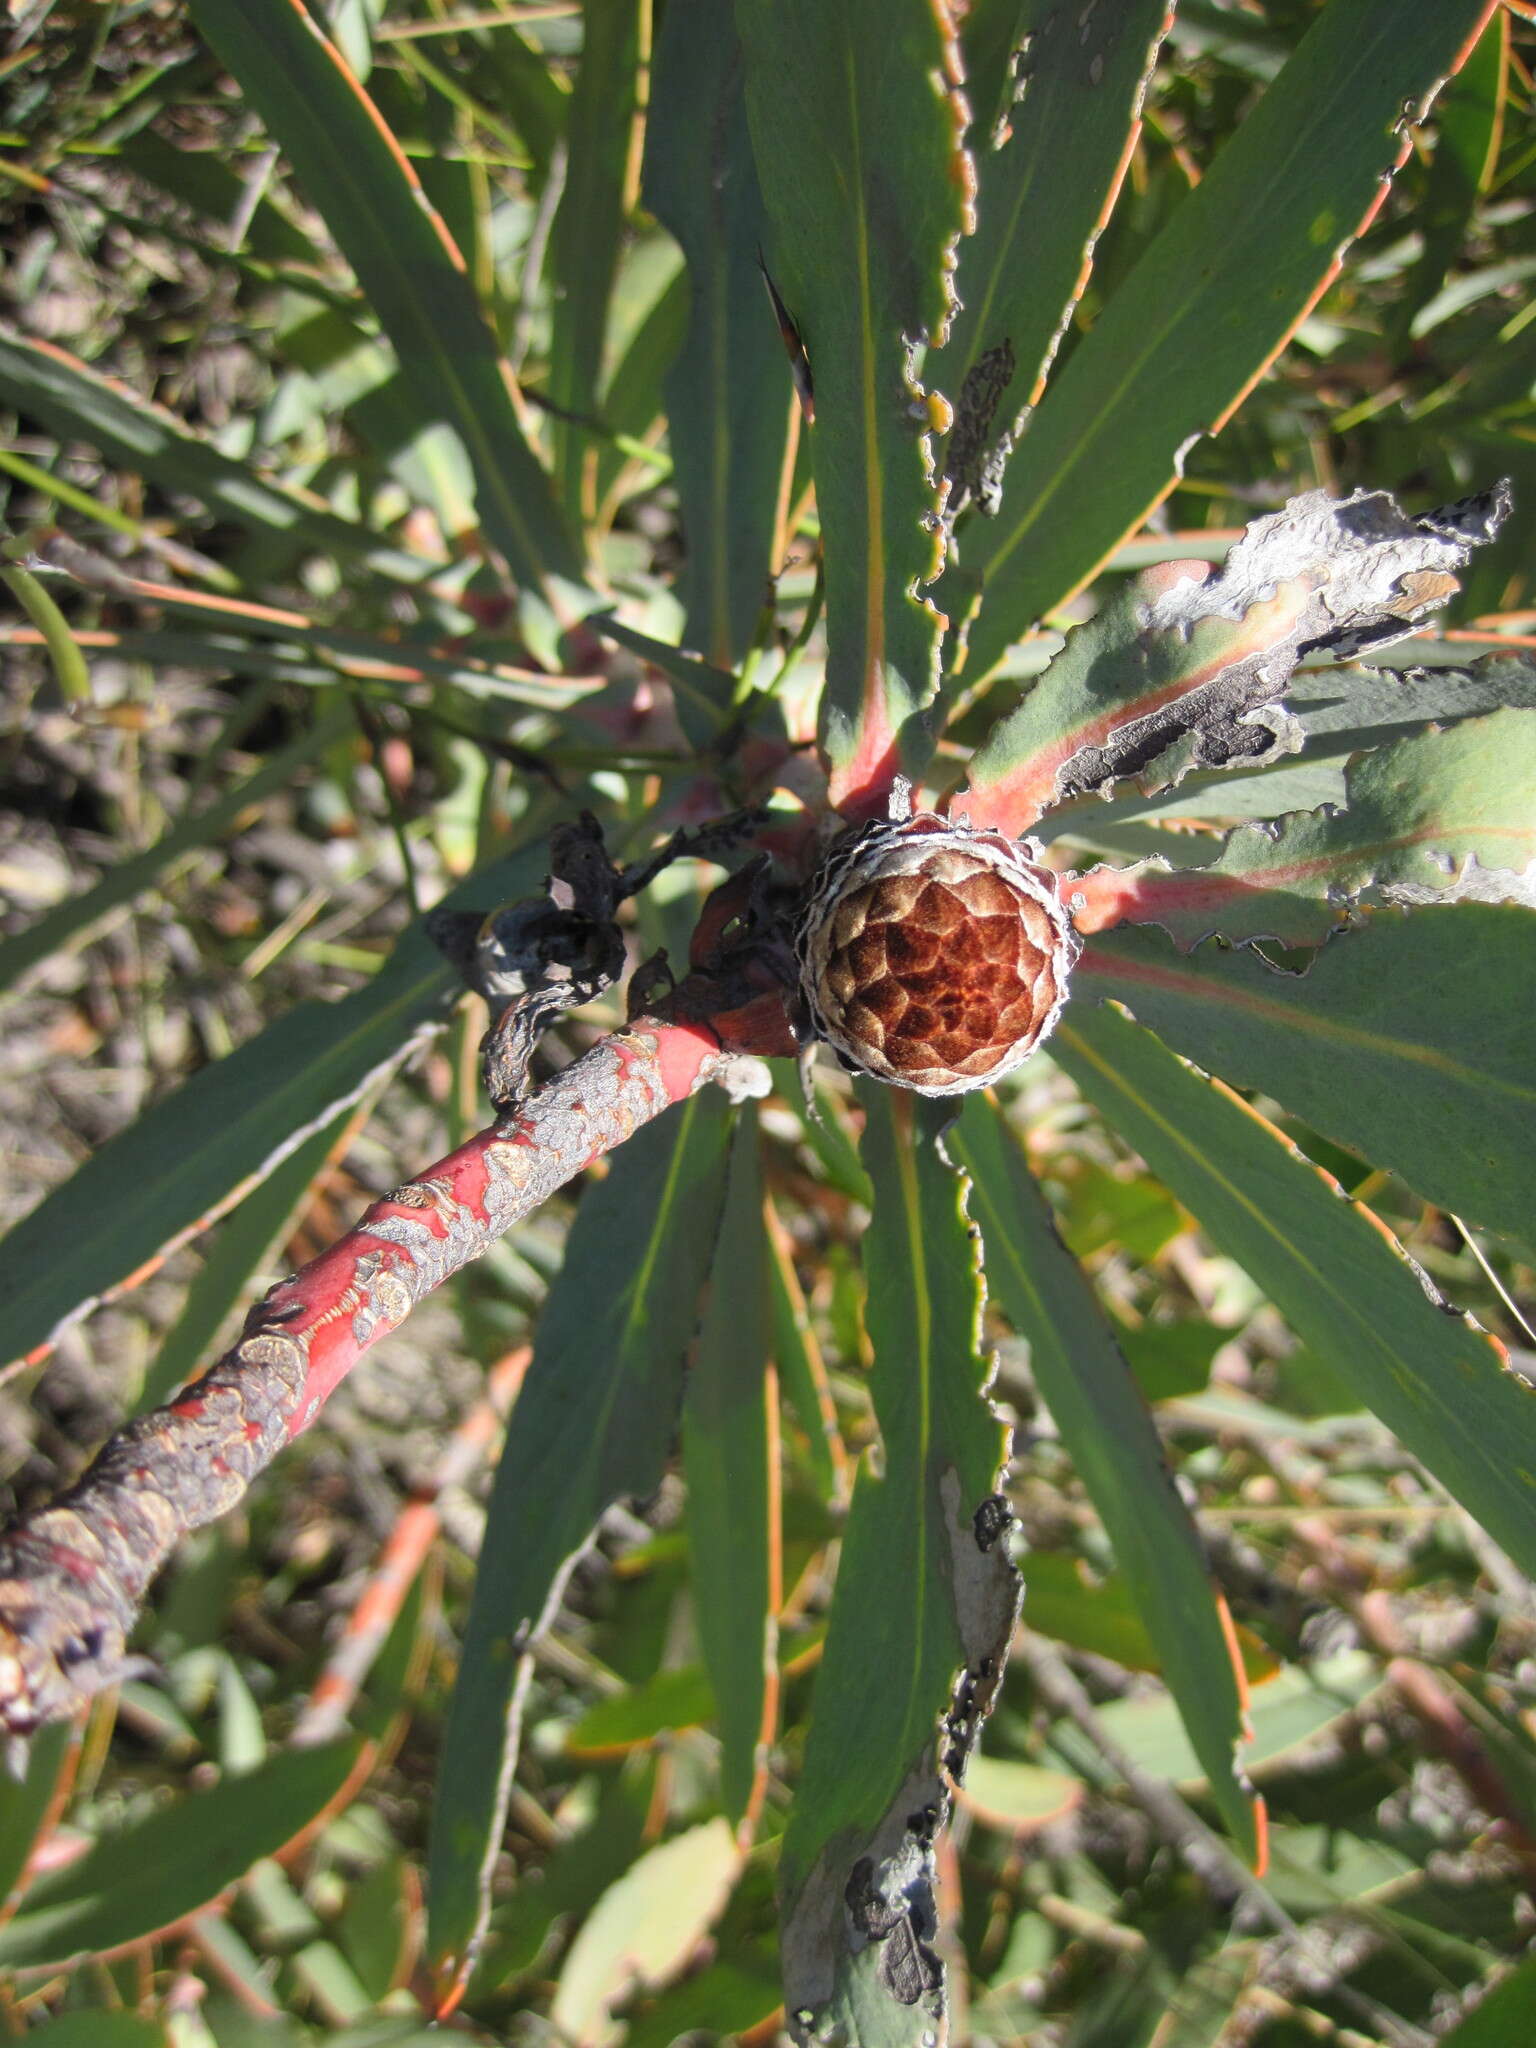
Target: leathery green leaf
860,235
730,1458
102,2030
355,174
594,1423
1507,2013
922,1618
27,1800
1210,304
1433,818
644,1928
198,1150
1408,1040
588,226
1332,1269
1114,671
728,390
1108,1431
1047,176
150,1874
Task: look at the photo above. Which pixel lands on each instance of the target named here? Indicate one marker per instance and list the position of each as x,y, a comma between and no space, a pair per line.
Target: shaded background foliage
290,678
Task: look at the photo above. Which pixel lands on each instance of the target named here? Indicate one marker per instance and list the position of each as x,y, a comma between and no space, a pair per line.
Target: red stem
73,1574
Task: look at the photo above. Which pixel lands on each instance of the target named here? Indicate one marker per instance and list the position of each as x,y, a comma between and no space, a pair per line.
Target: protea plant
1188,850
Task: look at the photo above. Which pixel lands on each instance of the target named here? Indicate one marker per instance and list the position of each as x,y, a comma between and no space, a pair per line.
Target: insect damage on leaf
1189,667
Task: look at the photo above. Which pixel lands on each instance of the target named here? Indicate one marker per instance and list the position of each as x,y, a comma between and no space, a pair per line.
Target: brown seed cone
934,957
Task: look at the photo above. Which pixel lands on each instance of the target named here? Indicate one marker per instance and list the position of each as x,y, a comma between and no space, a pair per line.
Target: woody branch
73,1574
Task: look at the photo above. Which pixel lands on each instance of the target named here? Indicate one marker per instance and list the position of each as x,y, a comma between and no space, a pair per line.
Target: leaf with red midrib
856,131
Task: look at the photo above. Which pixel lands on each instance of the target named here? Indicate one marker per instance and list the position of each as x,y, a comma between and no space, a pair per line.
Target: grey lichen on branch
74,1573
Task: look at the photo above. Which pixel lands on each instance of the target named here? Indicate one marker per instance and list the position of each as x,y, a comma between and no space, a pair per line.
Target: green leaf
681,1698
644,1929
1468,124
1506,2013
588,229
354,172
922,1617
593,1424
728,391
1408,1040
801,1369
1186,666
1108,1431
1288,1711
1334,1272
1046,179
77,404
102,2030
316,655
151,1874
27,1801
1209,305
857,144
198,1150
1443,815
78,917
1008,1794
730,1460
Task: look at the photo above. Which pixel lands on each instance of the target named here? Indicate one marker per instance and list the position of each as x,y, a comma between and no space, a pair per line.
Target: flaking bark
73,1575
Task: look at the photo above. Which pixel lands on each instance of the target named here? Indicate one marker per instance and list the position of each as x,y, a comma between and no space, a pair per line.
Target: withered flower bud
932,956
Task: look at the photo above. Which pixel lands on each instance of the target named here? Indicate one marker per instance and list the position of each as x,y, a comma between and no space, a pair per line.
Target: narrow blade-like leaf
354,172
196,1151
1410,1040
1186,668
923,1615
1211,303
730,1458
1437,818
78,404
1109,1434
1047,177
856,133
1332,1269
728,391
150,1874
593,1424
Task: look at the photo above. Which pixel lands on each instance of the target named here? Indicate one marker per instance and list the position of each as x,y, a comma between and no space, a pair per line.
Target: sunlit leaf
921,1620
730,1460
859,234
150,1874
728,391
354,172
1435,818
1402,1040
1335,1273
644,1929
593,1424
1213,300
1046,179
1108,1431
